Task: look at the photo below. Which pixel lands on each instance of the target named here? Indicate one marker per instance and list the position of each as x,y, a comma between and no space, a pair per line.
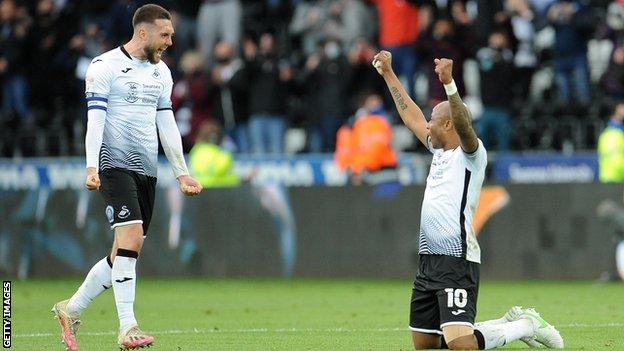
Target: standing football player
129,107
444,296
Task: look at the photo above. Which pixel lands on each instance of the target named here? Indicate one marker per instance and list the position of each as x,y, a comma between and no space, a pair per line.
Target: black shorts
129,197
445,293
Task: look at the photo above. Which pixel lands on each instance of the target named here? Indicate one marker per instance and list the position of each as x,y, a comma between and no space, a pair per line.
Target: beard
152,55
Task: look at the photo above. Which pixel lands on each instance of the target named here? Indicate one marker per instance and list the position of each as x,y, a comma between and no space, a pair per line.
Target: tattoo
461,120
399,99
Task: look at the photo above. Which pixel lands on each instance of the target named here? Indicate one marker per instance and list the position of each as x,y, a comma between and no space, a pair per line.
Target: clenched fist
93,179
444,70
383,62
189,186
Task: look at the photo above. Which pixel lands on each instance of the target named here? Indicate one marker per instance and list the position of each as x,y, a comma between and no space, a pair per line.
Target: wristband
450,88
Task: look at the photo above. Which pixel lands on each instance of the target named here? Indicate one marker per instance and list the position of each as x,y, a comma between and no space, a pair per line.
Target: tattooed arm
463,123
460,115
410,113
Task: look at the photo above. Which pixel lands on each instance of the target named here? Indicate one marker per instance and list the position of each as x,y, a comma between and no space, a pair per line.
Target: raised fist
444,70
383,62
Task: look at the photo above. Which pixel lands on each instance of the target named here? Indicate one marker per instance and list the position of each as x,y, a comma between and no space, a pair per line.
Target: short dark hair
149,13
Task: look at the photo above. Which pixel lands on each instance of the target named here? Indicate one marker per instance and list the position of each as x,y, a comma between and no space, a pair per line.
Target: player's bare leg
529,324
423,341
460,337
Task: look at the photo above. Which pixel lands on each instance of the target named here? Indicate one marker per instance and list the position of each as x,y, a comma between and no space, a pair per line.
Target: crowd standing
262,68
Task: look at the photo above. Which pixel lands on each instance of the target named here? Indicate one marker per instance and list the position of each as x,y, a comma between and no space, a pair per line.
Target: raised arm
410,113
460,115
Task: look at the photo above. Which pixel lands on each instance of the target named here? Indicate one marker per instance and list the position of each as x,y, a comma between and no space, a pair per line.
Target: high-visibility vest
611,155
212,166
365,146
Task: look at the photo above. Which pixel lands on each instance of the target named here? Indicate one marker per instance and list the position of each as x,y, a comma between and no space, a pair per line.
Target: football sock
124,283
619,259
492,322
496,335
98,279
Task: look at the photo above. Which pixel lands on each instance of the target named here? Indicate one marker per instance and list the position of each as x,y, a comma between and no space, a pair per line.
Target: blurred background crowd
282,76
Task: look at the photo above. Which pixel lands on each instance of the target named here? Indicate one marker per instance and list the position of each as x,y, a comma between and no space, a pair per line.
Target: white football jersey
130,91
450,200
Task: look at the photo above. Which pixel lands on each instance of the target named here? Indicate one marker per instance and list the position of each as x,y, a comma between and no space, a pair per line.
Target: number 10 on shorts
456,297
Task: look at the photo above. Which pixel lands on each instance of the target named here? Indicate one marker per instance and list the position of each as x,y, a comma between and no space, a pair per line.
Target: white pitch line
294,330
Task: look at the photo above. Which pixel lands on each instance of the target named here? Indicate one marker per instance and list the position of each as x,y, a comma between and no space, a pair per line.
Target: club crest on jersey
124,213
133,94
156,73
110,213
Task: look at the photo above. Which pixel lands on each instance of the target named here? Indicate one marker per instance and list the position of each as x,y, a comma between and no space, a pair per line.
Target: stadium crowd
266,69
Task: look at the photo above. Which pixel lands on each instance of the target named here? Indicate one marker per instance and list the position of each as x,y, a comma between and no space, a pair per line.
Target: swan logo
124,213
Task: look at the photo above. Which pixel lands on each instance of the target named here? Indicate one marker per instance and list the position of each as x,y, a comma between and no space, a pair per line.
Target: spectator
119,16
210,164
571,23
190,98
184,16
613,79
359,23
399,27
315,21
611,162
269,81
525,58
541,9
491,14
218,19
613,29
45,40
496,68
327,76
442,40
611,148
364,147
95,11
13,58
230,95
360,57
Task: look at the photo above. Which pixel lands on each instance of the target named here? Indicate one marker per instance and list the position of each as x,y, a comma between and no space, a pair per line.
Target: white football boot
544,333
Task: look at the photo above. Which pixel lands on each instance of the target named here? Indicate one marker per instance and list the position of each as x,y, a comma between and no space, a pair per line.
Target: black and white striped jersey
130,91
450,200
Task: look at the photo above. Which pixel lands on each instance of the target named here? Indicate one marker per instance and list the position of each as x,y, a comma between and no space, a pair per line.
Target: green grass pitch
303,314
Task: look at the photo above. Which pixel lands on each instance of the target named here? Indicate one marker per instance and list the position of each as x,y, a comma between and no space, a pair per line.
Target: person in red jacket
399,27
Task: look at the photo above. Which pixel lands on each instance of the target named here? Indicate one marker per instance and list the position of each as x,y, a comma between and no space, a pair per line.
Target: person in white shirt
444,297
128,93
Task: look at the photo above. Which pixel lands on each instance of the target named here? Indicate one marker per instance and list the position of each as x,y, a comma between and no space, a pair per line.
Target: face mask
332,50
441,36
223,60
377,110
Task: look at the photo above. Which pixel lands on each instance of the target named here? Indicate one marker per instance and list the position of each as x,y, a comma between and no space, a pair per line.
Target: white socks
500,320
124,283
122,277
98,279
496,335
